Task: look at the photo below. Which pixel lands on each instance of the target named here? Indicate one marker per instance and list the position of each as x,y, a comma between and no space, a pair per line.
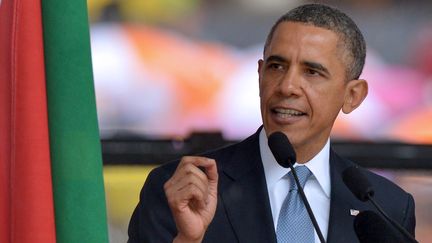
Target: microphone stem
306,203
391,221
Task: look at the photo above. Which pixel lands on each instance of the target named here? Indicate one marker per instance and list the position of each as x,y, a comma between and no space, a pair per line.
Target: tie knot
303,174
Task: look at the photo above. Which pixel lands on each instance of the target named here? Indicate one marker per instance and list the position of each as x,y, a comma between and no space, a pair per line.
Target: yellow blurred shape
122,188
95,8
157,10
145,10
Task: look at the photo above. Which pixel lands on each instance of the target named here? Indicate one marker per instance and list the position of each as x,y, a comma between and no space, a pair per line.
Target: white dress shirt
317,188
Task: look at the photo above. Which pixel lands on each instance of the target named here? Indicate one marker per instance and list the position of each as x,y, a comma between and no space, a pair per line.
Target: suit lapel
244,194
341,228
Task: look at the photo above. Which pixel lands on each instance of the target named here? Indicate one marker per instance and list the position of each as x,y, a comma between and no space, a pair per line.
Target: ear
260,65
356,91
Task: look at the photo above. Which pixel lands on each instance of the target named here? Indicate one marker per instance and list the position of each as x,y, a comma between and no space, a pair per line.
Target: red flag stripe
26,207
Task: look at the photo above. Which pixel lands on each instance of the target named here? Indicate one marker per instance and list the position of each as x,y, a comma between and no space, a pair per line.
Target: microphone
360,186
371,228
285,155
282,149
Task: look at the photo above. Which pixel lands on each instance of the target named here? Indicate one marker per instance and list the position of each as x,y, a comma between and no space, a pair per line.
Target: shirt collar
318,165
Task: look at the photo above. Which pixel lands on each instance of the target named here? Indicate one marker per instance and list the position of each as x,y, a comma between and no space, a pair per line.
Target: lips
287,112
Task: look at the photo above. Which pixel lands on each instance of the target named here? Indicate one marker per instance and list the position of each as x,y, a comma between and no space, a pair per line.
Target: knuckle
167,185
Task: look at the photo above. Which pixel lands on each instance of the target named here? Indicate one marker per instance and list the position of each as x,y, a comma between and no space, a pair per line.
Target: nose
290,84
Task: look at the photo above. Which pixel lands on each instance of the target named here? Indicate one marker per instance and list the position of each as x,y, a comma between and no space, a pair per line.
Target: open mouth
286,113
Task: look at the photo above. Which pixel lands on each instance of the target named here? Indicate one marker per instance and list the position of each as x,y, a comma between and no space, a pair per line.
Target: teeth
288,112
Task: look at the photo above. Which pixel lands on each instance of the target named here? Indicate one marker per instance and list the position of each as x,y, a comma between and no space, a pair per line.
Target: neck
306,153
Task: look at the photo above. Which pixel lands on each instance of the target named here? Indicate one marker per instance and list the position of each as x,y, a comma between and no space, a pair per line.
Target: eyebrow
313,65
276,58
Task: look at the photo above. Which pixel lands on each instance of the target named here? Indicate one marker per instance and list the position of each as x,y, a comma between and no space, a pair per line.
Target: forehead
296,41
289,30
290,33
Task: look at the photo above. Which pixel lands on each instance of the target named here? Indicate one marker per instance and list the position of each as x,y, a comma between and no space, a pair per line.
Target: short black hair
330,18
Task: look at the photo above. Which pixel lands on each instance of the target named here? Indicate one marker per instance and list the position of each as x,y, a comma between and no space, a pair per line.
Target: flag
76,160
51,184
26,200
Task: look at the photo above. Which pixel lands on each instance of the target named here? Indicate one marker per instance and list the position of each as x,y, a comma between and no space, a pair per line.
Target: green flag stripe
80,210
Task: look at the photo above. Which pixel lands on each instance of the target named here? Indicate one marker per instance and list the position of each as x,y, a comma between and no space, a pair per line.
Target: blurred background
180,77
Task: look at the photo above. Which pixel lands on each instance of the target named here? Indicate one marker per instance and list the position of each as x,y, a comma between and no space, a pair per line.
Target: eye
275,66
312,72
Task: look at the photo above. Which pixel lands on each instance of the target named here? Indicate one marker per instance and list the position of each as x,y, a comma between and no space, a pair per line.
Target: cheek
264,90
326,102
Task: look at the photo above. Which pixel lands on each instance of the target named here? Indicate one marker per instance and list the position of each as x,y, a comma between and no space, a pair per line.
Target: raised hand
192,197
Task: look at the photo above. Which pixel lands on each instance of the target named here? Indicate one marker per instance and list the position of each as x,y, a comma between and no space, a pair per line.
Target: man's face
302,85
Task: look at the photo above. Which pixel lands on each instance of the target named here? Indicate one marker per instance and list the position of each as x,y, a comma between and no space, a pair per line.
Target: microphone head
357,182
371,228
282,149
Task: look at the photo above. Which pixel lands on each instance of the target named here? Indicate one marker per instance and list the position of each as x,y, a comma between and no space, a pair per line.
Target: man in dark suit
310,70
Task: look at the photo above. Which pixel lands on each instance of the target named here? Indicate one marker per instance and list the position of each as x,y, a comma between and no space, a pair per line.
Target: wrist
182,239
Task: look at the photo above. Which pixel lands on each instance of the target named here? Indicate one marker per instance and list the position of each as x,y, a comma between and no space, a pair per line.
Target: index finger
208,164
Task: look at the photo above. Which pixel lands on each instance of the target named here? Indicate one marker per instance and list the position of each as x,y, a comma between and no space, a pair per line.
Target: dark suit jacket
243,211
